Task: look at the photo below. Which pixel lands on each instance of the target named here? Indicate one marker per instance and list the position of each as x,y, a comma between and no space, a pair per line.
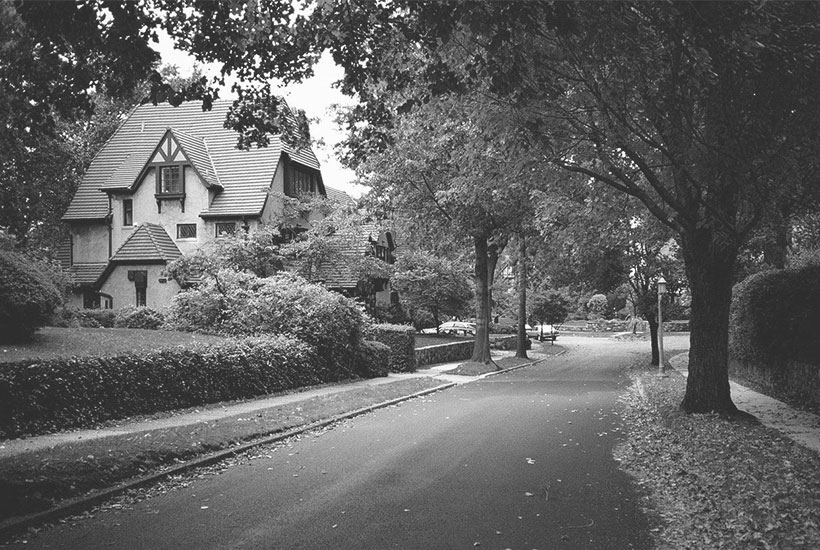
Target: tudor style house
340,272
169,180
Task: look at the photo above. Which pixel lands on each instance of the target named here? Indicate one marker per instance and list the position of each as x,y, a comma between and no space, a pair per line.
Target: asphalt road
521,460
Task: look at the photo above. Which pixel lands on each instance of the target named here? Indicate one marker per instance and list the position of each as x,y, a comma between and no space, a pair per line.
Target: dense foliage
401,340
139,317
374,358
775,315
241,304
430,287
28,296
58,394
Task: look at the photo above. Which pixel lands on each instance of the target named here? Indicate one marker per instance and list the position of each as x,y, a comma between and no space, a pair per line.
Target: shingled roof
148,243
244,175
86,274
350,246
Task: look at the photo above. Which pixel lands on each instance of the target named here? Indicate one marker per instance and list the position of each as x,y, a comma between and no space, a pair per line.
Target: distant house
341,271
169,180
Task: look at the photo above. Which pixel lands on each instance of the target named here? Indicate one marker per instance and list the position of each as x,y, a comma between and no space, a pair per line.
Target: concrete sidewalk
800,426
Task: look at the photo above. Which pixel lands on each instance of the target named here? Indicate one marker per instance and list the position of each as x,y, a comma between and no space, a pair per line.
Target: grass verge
38,480
477,369
713,483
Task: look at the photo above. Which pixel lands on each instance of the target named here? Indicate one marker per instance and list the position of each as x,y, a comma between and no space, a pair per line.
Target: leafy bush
503,328
374,358
241,304
28,297
775,315
401,340
95,318
45,396
508,343
139,317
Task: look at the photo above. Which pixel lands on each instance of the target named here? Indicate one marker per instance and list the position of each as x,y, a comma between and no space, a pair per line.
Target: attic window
301,182
170,180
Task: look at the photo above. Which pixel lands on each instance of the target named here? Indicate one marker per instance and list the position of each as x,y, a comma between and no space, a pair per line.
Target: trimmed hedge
774,345
775,317
375,359
39,397
401,340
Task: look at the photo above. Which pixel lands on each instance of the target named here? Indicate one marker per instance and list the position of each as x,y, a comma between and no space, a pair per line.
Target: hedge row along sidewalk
64,477
719,484
46,478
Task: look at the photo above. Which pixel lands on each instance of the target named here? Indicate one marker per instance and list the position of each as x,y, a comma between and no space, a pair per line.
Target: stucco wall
157,295
145,210
89,243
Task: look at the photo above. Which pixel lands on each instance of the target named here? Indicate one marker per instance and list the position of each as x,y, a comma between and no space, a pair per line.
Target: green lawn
52,342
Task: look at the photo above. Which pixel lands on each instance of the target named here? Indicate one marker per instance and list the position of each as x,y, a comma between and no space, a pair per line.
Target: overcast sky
315,96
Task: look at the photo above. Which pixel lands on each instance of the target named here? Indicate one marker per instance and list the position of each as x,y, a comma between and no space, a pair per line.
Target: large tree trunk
481,349
710,261
521,340
652,320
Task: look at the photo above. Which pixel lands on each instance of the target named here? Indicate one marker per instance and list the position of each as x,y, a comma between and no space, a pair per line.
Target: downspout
110,218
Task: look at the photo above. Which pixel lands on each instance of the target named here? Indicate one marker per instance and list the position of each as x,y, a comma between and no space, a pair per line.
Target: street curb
81,504
510,369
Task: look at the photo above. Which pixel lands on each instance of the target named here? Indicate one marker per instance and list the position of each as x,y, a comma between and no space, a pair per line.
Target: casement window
383,253
128,212
170,180
141,296
140,279
186,231
225,229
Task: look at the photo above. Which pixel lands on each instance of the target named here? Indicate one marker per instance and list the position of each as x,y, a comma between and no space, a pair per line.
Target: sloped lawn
51,342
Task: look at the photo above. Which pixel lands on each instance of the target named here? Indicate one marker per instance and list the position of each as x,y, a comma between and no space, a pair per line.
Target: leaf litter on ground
712,483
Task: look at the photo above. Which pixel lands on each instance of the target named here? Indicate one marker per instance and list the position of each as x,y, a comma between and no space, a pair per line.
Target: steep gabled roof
339,196
148,243
245,176
350,245
196,150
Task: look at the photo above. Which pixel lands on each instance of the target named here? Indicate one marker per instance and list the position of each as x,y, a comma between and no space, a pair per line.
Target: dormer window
301,181
170,180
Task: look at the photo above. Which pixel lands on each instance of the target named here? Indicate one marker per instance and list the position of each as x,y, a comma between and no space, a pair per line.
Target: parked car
542,332
457,327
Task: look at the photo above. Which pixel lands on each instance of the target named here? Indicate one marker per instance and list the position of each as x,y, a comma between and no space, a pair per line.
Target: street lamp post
661,292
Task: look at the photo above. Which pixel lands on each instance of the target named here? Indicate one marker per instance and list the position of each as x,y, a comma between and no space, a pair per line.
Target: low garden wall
461,351
443,353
